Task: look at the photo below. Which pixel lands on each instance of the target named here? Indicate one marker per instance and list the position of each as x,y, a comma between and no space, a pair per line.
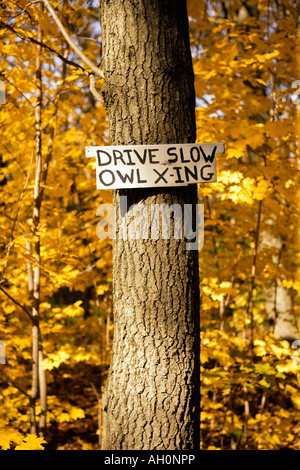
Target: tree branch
49,48
9,247
12,384
96,70
93,89
16,302
249,306
70,41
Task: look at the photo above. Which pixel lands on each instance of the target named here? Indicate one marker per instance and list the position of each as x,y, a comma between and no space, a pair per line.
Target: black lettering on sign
195,158
209,158
178,168
152,156
189,173
182,156
141,159
208,176
126,176
120,157
130,162
100,162
105,183
139,180
174,160
161,175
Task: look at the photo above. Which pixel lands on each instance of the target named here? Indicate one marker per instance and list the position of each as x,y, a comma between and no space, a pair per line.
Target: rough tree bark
152,395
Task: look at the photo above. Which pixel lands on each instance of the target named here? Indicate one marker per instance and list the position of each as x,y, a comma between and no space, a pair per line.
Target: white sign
143,166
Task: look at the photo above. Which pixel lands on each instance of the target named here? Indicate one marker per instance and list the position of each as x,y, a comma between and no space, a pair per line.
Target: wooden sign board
144,166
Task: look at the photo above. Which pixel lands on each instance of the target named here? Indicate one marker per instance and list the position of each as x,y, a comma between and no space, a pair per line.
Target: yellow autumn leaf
6,438
55,360
262,82
72,415
101,289
31,442
77,413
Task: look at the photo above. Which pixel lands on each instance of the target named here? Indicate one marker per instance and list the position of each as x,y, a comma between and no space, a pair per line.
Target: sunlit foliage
245,62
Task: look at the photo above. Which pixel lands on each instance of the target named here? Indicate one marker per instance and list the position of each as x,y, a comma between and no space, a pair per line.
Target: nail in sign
144,166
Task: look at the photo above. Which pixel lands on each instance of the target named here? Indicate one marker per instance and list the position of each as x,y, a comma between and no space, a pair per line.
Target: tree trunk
153,390
279,301
34,283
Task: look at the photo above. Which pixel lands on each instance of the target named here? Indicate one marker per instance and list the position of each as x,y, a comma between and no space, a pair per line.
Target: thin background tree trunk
153,391
34,278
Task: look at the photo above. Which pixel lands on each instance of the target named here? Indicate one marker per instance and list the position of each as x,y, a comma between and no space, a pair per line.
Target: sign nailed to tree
141,166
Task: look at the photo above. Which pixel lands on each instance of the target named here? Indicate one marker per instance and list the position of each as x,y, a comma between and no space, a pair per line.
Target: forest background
56,275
